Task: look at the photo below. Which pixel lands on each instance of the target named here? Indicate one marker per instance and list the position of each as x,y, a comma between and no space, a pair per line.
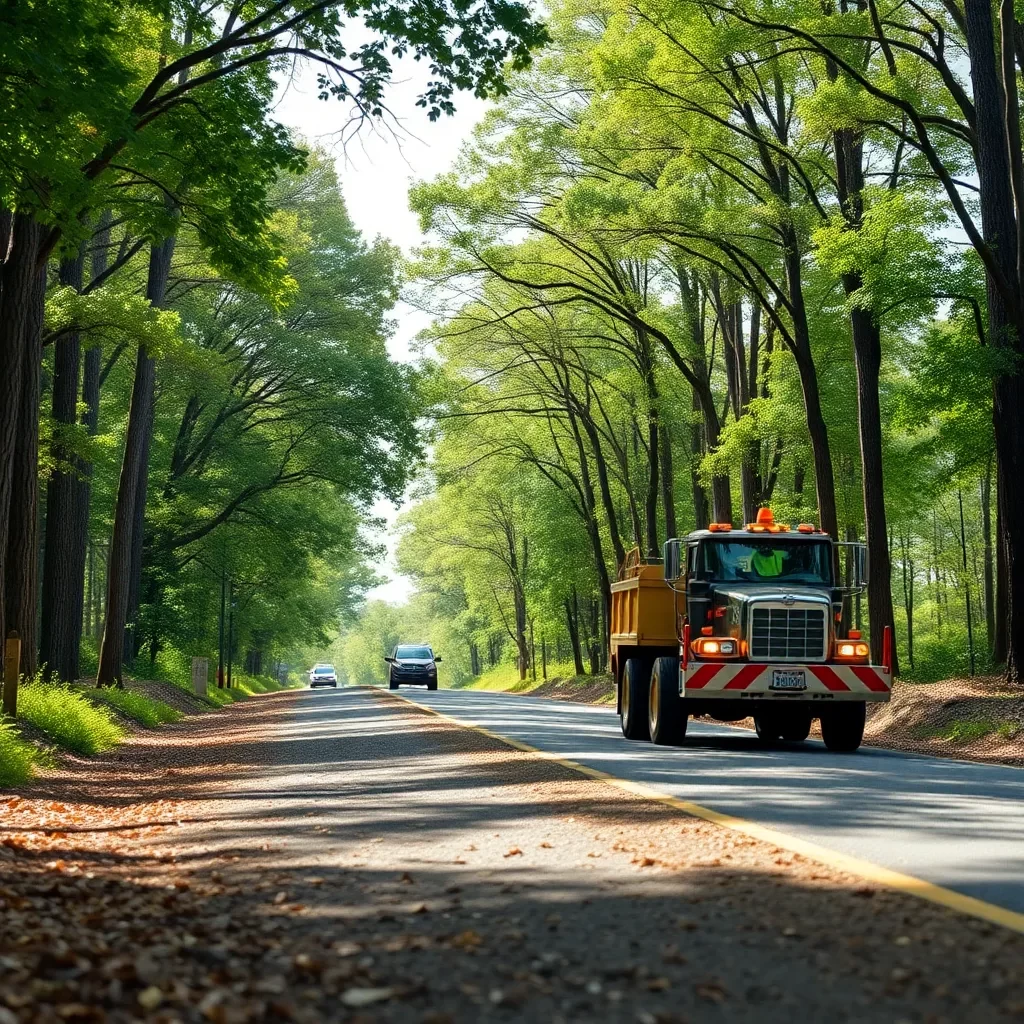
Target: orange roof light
806,527
766,523
719,527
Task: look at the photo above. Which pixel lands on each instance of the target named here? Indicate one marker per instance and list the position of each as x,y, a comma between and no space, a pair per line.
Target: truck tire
796,725
842,727
666,716
768,726
633,708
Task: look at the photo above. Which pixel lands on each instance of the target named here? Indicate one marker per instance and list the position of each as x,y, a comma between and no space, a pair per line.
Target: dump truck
739,622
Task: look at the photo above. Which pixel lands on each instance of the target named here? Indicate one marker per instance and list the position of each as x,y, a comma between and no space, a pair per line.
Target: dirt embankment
980,719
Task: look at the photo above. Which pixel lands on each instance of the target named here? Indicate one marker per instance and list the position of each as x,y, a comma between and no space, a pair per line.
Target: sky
376,169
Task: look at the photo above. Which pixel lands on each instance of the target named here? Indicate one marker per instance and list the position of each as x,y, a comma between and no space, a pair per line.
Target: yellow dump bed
644,609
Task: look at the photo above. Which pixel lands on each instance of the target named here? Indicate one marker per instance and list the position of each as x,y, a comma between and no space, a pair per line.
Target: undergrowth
68,718
136,706
18,758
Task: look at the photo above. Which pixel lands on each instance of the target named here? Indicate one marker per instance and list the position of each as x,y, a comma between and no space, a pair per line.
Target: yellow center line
840,861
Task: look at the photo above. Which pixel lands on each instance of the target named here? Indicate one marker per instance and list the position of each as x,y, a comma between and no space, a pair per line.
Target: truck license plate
788,679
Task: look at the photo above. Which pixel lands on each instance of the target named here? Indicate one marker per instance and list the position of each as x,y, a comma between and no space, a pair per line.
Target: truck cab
756,615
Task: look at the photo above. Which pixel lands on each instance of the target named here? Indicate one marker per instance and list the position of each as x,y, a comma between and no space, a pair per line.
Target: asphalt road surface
956,824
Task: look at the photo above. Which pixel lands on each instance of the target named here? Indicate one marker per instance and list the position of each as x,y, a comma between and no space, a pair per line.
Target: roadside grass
962,730
137,706
18,758
68,718
505,678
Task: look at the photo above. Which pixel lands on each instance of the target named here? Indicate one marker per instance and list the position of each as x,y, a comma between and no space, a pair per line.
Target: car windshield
414,652
768,561
326,669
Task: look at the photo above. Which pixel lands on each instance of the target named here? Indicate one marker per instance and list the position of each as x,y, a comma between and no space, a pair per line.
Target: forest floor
345,856
979,719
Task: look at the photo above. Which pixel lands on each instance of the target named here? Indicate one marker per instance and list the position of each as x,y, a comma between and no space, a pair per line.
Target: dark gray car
414,664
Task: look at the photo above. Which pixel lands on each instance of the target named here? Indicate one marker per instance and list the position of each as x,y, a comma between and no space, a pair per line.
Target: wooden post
12,663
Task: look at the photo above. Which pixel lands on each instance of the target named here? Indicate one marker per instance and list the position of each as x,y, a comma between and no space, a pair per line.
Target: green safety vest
767,565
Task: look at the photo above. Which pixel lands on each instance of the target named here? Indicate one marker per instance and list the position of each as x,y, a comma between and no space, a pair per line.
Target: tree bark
824,478
668,499
21,585
18,275
61,620
572,619
140,422
997,166
701,508
988,560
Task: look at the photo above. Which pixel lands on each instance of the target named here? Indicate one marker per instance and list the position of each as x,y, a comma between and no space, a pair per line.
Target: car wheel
431,686
392,686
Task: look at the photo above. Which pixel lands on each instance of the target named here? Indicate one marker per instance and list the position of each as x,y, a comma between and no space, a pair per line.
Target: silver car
322,675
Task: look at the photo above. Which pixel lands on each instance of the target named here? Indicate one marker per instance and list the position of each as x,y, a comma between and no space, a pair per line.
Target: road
346,856
956,824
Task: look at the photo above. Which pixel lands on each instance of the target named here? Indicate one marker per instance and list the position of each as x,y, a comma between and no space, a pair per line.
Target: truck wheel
796,726
666,717
633,713
768,727
842,727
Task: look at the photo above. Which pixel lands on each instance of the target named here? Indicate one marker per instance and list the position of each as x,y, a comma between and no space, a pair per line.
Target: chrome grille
788,634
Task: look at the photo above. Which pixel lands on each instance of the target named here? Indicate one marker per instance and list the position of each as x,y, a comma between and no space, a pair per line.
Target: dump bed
644,609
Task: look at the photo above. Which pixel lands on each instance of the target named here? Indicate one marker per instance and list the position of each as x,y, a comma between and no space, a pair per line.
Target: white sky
376,170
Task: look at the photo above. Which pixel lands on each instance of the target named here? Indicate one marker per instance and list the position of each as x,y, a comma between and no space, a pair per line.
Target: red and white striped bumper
824,682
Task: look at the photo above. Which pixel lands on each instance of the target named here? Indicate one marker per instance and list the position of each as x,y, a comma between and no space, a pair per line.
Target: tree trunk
867,348
999,231
668,499
18,276
61,621
573,622
824,478
140,421
701,508
999,640
988,561
21,584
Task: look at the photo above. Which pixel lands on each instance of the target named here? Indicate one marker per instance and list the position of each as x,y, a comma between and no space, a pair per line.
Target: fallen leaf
150,998
468,939
514,852
366,996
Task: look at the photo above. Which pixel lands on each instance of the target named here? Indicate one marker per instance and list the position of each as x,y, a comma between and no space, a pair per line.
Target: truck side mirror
853,565
673,560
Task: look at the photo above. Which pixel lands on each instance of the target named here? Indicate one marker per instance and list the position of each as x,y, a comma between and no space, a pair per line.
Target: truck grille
788,634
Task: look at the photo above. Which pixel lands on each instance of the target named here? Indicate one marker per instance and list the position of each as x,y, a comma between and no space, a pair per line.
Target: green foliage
18,758
137,706
68,718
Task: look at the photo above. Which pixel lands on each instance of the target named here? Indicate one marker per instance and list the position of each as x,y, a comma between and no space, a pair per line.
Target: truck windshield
774,559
